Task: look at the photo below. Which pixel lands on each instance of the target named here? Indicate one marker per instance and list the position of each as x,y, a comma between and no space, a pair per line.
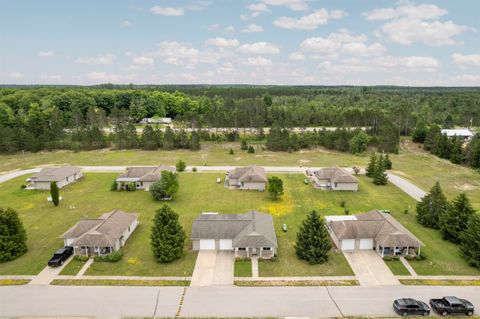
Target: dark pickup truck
452,305
60,256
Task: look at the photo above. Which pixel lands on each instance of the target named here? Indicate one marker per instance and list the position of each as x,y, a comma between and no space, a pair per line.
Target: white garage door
348,244
226,244
366,244
207,244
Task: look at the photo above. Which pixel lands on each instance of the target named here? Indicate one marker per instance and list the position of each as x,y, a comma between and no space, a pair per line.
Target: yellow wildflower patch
282,206
133,261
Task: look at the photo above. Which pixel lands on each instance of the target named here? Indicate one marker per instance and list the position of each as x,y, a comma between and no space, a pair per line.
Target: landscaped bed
292,283
439,282
92,197
14,282
121,282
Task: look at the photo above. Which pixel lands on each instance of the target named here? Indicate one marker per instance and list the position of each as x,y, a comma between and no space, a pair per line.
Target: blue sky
359,42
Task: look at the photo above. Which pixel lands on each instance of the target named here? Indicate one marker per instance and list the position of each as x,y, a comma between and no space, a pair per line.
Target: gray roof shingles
146,174
55,174
335,175
249,174
251,229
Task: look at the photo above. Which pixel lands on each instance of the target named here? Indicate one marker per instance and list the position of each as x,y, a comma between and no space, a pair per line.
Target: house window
336,184
266,248
241,248
128,228
67,179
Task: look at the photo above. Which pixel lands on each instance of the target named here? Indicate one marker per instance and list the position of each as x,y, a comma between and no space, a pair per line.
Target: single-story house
61,175
101,236
156,120
374,230
334,178
249,177
143,177
249,234
463,133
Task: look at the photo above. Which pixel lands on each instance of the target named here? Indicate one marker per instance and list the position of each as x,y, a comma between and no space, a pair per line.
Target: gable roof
385,229
145,174
249,174
102,232
55,174
335,175
463,132
251,229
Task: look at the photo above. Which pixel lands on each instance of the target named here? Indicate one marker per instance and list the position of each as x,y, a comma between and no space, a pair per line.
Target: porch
247,252
398,251
92,251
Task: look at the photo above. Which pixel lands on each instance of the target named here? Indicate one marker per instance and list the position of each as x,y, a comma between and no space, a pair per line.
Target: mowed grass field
199,192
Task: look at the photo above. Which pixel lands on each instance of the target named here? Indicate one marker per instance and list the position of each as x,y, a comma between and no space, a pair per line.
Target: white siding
255,186
353,187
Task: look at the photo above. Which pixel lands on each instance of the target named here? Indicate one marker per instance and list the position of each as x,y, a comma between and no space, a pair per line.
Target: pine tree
470,241
313,242
148,141
181,166
195,141
13,237
431,207
455,220
371,165
243,145
388,162
380,176
167,237
54,193
456,154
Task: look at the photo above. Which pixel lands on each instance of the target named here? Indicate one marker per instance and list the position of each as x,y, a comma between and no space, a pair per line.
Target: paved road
408,187
215,301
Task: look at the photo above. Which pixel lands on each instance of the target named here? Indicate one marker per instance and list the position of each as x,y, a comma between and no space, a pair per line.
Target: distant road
405,185
215,301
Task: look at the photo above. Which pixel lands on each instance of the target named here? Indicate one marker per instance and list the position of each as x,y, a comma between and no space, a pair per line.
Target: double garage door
209,244
364,244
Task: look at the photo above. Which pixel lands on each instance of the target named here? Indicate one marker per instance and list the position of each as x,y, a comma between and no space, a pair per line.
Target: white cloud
51,77
342,42
411,23
254,14
467,79
46,54
295,5
296,56
222,42
101,59
258,62
252,28
167,11
230,29
16,75
258,7
309,22
218,28
259,48
102,77
465,61
126,24
143,60
361,49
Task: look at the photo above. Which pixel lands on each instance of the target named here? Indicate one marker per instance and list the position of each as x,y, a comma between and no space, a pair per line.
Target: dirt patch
465,187
409,146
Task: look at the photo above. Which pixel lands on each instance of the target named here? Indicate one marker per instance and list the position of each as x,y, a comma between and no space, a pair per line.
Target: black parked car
409,306
60,256
452,305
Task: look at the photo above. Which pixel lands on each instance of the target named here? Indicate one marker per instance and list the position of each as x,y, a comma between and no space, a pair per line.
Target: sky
279,42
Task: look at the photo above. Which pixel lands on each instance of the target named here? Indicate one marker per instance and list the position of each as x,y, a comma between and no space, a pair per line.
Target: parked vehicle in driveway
60,256
452,305
409,306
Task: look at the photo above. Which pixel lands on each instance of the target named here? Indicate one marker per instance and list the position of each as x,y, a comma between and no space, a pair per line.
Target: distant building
249,177
334,178
156,120
143,177
463,133
61,175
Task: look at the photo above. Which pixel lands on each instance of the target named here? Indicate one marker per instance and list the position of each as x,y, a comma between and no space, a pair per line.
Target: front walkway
407,265
213,268
370,269
48,274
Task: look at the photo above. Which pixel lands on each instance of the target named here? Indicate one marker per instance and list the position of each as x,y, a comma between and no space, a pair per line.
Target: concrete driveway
370,269
213,268
46,276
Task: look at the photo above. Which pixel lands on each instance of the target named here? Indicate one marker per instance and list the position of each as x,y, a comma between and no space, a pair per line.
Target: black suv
409,306
60,256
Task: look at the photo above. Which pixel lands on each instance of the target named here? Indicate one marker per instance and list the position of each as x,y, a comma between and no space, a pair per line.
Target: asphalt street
215,301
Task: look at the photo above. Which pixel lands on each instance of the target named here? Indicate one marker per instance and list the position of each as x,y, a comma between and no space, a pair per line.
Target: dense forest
34,118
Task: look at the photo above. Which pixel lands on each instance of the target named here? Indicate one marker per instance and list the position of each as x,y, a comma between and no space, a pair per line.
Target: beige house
143,177
374,230
248,235
334,178
101,236
61,175
249,177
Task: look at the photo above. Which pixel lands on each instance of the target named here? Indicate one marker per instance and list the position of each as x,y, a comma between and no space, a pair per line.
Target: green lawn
397,268
72,268
199,192
243,268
